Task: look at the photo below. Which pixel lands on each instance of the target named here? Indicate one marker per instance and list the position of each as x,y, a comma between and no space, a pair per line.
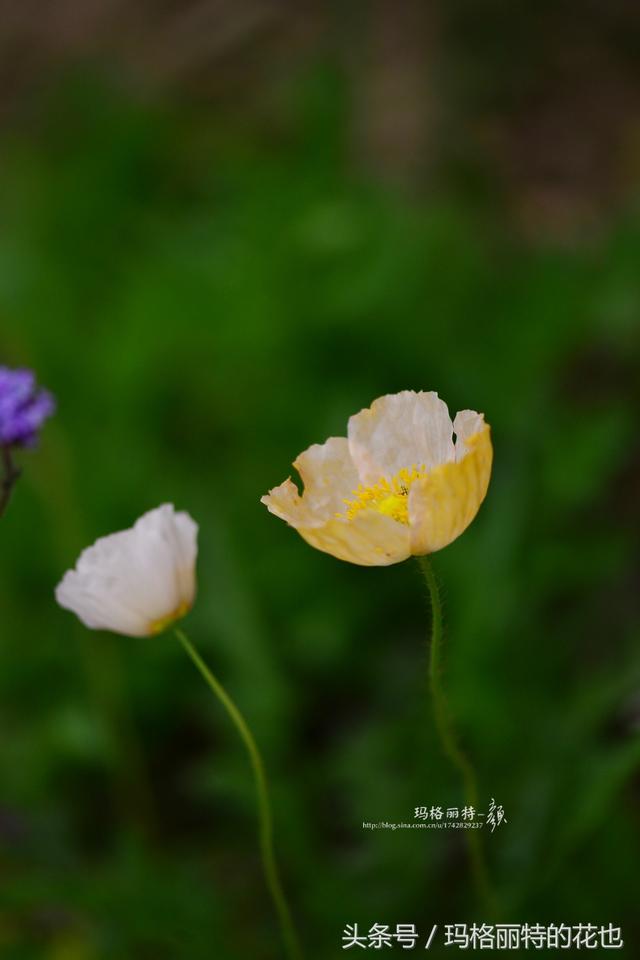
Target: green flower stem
448,738
11,474
270,866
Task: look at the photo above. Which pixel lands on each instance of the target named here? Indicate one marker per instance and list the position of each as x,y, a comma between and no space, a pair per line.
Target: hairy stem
11,474
448,738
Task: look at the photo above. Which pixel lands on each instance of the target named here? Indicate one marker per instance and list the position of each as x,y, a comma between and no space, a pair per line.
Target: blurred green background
225,228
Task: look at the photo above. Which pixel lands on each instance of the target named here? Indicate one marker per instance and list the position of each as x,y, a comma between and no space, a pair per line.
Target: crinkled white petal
467,424
131,580
329,476
399,431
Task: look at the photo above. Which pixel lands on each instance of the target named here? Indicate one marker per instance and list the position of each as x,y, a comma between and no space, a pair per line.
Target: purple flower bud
23,407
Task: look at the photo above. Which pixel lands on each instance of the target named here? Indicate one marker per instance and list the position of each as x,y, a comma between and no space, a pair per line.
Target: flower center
159,626
390,497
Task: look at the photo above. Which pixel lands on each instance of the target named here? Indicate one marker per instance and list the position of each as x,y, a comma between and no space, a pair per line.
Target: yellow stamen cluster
386,496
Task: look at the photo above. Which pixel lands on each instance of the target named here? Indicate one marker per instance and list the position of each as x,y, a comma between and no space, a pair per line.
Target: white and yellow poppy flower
139,581
398,485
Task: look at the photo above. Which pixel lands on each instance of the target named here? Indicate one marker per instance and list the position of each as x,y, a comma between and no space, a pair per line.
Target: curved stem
269,863
448,739
11,474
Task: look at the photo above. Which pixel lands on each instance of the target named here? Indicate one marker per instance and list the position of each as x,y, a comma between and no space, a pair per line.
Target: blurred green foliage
206,301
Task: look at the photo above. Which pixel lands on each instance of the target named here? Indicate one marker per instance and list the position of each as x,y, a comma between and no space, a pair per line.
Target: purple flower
23,408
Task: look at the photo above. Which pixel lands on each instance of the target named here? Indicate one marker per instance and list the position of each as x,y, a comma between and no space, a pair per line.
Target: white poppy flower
138,581
398,485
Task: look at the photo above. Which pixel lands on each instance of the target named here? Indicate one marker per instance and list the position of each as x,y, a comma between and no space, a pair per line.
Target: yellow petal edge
443,504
